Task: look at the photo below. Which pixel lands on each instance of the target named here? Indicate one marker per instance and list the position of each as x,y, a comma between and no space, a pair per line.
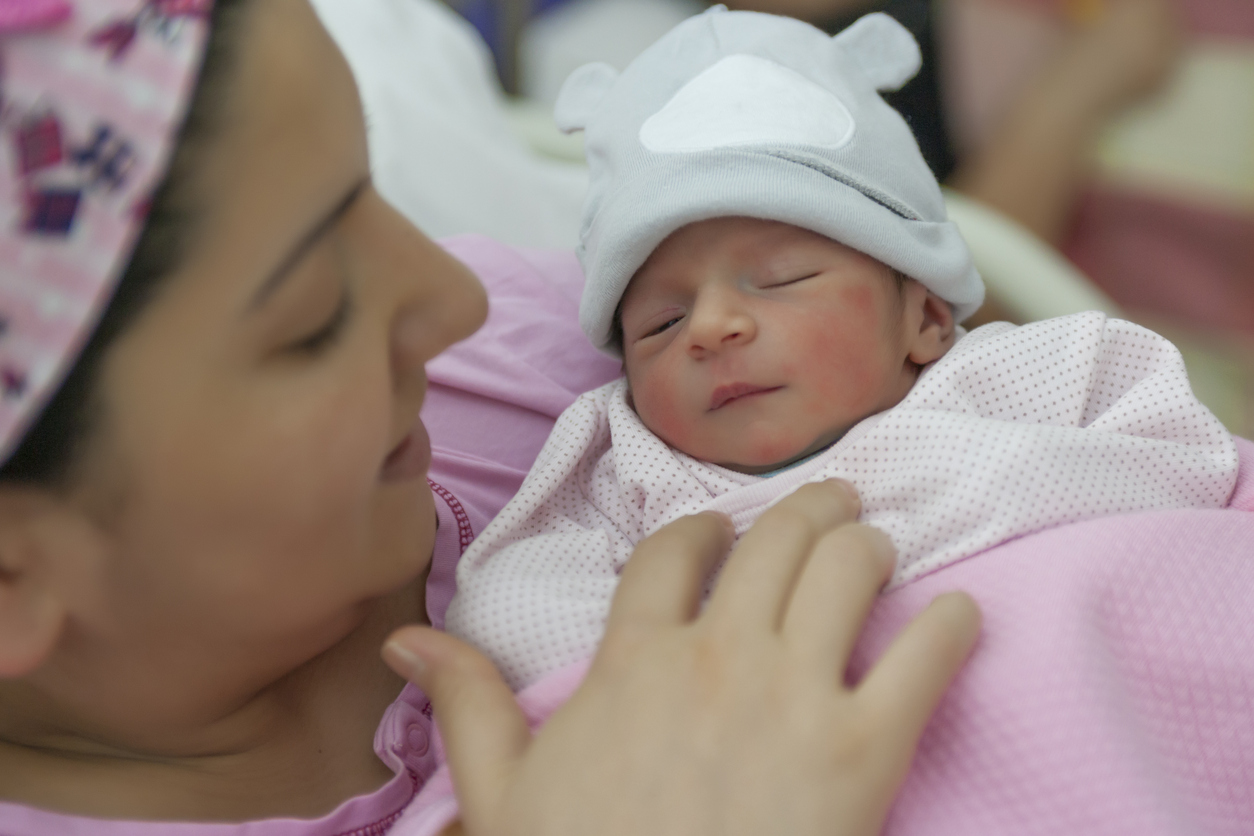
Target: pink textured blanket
1112,691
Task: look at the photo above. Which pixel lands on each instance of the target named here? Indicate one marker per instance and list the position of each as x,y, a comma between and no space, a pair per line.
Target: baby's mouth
724,395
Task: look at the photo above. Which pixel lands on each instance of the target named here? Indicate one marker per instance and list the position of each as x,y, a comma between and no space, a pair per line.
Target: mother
214,513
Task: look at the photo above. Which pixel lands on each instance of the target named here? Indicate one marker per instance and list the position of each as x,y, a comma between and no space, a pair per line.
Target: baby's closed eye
786,280
662,327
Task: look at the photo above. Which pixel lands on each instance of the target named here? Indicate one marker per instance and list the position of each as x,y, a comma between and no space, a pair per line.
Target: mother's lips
410,458
726,394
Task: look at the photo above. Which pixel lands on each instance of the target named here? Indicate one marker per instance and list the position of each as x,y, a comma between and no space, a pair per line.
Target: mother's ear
931,323
33,567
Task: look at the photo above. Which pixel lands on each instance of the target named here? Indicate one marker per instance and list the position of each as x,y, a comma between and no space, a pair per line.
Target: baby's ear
583,91
936,330
884,49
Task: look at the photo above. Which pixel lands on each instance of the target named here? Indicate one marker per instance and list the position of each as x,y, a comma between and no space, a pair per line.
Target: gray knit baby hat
741,113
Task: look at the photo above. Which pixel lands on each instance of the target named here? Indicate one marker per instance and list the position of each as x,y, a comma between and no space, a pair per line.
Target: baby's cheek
661,409
859,300
840,362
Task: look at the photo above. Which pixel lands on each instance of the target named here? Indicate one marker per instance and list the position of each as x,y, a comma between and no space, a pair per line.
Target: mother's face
261,466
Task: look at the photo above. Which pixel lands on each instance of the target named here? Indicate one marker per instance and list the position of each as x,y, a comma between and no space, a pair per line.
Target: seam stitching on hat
887,201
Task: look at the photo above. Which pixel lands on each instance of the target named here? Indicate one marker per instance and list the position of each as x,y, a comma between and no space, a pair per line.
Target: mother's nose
447,306
431,300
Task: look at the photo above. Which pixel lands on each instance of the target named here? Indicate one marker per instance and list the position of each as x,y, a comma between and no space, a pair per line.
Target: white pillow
442,148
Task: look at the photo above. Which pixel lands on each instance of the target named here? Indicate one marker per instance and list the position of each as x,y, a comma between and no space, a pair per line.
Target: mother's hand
735,720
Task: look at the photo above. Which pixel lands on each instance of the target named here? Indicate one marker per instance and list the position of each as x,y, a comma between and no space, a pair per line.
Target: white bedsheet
442,148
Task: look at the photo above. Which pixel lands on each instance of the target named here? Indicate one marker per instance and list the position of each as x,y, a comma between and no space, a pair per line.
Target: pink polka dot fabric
1016,430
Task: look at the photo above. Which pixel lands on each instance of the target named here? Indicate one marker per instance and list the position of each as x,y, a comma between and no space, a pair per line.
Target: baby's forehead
726,242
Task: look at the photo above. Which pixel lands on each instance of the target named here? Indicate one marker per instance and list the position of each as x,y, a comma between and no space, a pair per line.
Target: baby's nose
719,324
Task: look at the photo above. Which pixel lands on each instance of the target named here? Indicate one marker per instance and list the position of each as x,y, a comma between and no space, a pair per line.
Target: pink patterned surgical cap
92,96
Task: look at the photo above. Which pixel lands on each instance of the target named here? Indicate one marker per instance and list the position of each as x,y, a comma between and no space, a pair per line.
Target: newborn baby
754,344
770,256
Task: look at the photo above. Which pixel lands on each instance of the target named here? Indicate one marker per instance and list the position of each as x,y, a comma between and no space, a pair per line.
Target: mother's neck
297,748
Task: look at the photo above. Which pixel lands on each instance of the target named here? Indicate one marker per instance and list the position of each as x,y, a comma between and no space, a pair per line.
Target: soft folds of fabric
1015,430
738,113
492,399
1110,693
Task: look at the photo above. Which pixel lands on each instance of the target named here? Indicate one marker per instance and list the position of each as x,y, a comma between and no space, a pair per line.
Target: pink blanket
1112,691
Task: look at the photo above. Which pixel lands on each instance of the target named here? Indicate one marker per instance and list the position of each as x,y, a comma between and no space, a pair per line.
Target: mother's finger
835,593
662,582
913,674
758,579
485,734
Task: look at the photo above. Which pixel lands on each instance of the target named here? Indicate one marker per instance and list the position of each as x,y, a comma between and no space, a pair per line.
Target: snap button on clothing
418,739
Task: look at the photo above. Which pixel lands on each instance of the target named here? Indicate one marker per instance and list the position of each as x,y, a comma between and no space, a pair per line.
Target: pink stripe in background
1233,18
1187,261
19,15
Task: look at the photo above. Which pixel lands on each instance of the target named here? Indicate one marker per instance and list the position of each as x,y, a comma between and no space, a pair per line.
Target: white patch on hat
747,100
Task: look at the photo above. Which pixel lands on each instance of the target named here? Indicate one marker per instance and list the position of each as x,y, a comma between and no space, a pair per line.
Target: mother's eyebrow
275,280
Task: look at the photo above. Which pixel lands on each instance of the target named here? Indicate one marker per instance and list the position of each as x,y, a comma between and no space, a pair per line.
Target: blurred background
1097,153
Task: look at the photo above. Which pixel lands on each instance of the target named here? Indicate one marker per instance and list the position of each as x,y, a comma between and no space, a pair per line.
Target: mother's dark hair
52,446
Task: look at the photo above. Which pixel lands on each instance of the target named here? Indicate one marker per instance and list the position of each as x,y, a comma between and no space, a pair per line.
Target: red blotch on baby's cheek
837,350
860,299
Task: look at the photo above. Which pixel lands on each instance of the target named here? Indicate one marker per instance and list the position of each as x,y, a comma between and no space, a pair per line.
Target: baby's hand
1121,51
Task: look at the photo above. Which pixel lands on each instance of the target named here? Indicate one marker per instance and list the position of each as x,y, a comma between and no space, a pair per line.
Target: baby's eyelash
663,326
787,282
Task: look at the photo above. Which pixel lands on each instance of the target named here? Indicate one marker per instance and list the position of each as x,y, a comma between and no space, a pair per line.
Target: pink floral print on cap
92,95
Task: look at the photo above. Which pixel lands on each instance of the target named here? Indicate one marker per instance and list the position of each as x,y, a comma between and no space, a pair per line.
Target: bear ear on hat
582,92
884,49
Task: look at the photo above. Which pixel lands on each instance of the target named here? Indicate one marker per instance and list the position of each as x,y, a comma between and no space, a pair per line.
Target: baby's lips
733,391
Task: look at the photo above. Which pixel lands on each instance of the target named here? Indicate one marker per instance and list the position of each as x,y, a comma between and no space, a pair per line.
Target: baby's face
752,343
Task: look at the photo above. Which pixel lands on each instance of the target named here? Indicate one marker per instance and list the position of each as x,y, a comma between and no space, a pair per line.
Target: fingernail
403,660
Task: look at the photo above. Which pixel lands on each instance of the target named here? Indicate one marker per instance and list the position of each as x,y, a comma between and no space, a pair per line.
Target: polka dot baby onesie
1015,430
